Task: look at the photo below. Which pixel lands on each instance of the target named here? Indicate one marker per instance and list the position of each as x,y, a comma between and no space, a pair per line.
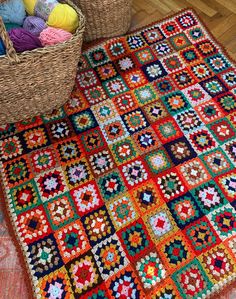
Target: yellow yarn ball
64,17
29,6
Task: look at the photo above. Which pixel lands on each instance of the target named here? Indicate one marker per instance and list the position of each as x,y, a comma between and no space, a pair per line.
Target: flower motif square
98,225
170,185
155,111
161,49
35,138
104,111
192,280
43,159
150,270
170,28
175,252
146,140
51,183
92,140
145,94
56,282
196,94
122,211
77,173
116,48
33,225
222,130
59,130
164,85
115,86
209,111
135,78
60,210
184,210
188,121
218,263
229,78
17,171
167,129
201,235
227,184
83,121
24,196
206,48
183,78
125,102
196,34
216,162
175,102
213,86
134,172
180,150
125,63
135,240
135,41
217,63
144,56
153,35
208,197
135,121
106,71
230,150
189,55
67,150
172,62
97,56
160,223
72,241
224,221
83,273
87,78
101,162
154,70
201,140
86,198
201,71
179,41
158,160
186,20
110,256
94,95
111,185
44,257
146,196
126,280
114,130
227,102
193,173
124,151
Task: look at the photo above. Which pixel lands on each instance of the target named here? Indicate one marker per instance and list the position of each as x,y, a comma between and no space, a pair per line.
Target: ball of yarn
2,48
34,25
10,26
52,36
23,40
56,14
13,11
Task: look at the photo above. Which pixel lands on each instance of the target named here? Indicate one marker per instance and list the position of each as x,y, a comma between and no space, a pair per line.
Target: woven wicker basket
37,81
105,18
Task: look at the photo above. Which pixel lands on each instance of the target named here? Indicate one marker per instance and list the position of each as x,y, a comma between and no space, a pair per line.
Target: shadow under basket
38,81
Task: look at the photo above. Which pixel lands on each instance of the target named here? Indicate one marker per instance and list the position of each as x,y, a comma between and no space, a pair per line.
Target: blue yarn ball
2,48
13,11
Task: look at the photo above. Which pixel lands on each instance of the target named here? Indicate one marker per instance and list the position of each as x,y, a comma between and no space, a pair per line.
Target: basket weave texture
38,81
105,18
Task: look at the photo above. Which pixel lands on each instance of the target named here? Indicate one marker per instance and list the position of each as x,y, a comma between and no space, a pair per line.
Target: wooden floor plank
203,7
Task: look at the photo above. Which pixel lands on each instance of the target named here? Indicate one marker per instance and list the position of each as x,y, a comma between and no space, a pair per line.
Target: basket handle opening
10,51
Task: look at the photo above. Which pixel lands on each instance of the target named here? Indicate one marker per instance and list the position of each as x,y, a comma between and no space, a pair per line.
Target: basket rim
78,32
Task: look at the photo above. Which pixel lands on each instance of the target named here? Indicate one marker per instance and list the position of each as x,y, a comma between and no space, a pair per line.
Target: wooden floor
218,15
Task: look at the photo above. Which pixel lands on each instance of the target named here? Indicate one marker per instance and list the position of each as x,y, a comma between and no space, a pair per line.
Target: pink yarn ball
52,36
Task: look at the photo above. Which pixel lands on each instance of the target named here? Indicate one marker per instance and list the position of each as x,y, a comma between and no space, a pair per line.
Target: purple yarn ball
23,40
34,25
